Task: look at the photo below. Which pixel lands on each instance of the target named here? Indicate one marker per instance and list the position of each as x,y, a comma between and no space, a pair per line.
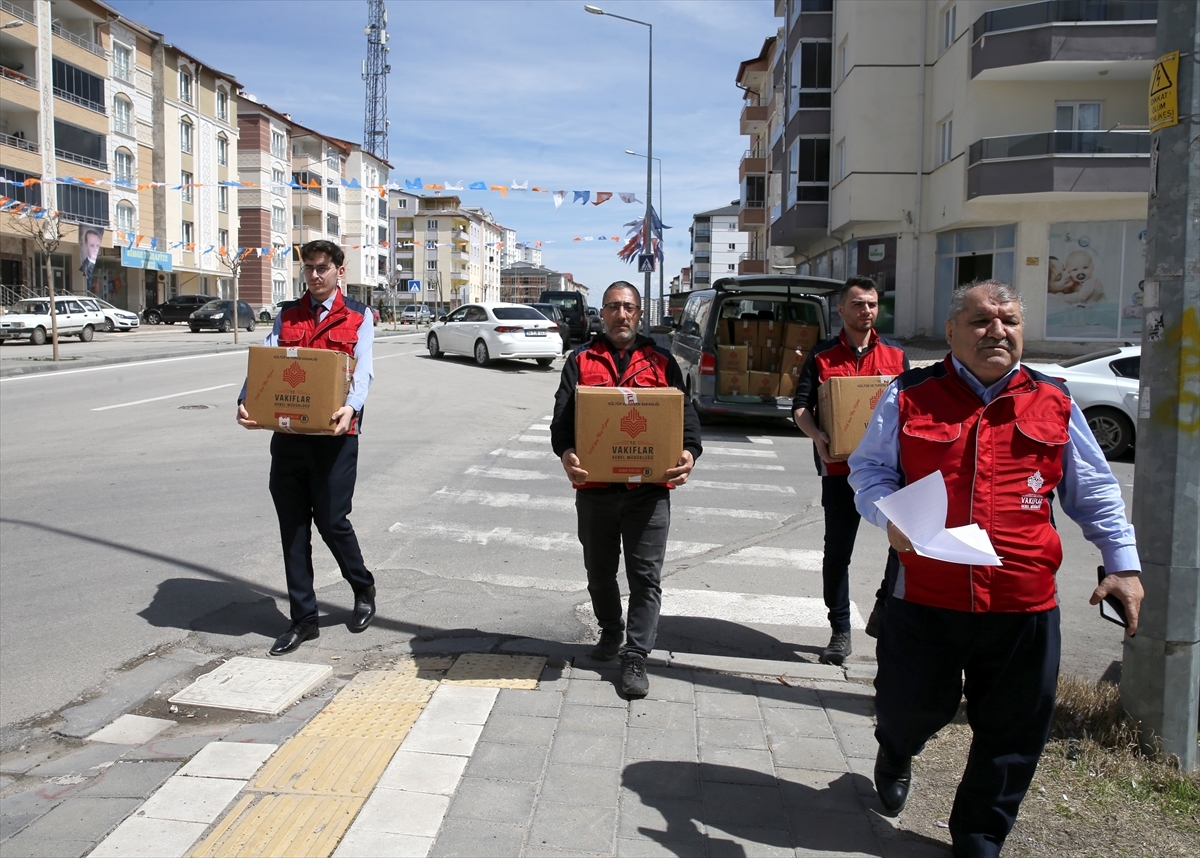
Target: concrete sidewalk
541,757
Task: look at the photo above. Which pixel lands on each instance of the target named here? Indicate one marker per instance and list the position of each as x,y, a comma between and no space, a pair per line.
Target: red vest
1000,461
338,331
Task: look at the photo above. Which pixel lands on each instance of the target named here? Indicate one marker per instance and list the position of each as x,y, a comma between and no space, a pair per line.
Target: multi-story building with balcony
929,143
265,205
718,245
366,225
487,238
524,282
447,247
318,165
756,171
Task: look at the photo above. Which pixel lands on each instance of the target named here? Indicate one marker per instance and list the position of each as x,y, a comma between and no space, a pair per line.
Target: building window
123,166
222,198
839,161
122,62
187,233
431,225
186,180
77,85
948,26
81,204
733,247
278,260
278,180
382,234
843,60
812,73
431,265
278,219
278,144
223,238
331,225
1077,116
222,150
401,204
808,173
123,115
732,267
125,217
278,291
945,141
331,193
222,104
185,87
185,136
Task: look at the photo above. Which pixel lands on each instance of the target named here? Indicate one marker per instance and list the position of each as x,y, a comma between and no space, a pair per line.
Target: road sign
1164,94
645,263
414,285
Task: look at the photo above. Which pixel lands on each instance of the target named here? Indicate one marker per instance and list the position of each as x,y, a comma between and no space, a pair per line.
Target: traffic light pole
1160,681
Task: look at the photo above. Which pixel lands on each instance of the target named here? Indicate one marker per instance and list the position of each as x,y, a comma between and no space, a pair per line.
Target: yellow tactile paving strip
309,791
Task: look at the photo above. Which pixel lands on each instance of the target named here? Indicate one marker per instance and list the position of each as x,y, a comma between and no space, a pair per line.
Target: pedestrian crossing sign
414,285
645,263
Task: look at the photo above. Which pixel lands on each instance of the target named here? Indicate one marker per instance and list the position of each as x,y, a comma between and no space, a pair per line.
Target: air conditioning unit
162,278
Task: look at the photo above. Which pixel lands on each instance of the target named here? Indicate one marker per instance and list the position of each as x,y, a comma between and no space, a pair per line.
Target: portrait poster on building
90,239
1093,275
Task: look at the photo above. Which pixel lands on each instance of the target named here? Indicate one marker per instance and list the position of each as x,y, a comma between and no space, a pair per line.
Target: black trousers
841,529
1010,665
312,481
638,520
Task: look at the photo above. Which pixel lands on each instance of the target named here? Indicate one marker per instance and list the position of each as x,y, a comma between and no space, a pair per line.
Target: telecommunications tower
375,71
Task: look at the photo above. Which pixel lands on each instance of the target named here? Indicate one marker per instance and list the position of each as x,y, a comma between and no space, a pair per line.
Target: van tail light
508,329
708,363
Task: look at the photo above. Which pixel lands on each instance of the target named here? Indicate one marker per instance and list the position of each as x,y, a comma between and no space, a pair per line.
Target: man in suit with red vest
1004,438
312,476
633,514
858,350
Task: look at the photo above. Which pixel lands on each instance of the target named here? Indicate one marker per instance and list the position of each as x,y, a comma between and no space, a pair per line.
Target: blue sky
509,90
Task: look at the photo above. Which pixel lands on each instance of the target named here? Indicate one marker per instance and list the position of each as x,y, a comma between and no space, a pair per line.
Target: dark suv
177,309
711,318
574,309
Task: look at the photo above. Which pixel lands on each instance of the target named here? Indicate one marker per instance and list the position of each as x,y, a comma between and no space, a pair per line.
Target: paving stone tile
29,846
461,709
735,842
507,762
590,670
543,704
180,744
594,694
670,685
661,714
470,837
641,847
122,693
586,749
711,704
5,782
590,785
460,644
138,837
864,775
492,801
431,773
728,733
191,799
83,761
736,765
284,727
573,827
397,811
362,843
130,780
240,760
649,780
78,818
782,723
805,752
818,790
604,720
856,741
442,737
722,683
131,730
773,695
20,761
519,730
547,852
742,805
671,745
822,832
661,819
19,810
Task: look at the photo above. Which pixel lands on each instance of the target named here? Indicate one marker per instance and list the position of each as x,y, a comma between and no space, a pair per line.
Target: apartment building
265,205
440,254
510,255
528,253
365,232
318,164
524,282
718,245
928,143
486,247
758,122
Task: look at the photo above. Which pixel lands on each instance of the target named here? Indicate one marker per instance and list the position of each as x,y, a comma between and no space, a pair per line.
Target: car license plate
535,332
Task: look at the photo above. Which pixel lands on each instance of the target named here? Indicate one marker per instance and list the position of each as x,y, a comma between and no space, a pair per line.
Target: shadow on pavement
213,607
707,636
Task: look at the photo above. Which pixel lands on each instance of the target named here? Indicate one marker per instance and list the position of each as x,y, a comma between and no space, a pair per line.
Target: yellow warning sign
1164,94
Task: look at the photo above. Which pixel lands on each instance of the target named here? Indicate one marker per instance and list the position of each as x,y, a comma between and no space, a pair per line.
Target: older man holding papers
1003,438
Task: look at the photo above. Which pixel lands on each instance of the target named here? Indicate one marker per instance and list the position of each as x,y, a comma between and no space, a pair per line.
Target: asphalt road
134,514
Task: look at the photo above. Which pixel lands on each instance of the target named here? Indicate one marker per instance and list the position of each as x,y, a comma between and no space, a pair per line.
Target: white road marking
508,473
719,450
507,499
534,439
538,427
124,365
759,440
548,417
734,466
527,538
709,512
752,608
741,487
804,559
168,396
523,454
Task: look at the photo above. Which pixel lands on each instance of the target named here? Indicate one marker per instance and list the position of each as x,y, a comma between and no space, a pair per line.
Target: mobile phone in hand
1111,607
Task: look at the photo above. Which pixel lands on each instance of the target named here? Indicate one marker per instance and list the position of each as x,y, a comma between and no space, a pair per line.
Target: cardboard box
787,385
764,359
745,332
764,384
845,406
790,362
798,335
770,334
733,383
296,390
628,435
733,358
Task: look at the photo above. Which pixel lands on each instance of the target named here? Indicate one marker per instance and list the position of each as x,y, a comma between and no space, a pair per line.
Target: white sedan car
115,319
1105,386
490,331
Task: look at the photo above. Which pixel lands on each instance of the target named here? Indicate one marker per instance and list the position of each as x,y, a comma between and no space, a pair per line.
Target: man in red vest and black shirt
637,515
312,476
857,350
1006,440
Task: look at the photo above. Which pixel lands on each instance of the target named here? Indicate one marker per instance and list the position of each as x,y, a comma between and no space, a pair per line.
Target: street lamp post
661,265
646,233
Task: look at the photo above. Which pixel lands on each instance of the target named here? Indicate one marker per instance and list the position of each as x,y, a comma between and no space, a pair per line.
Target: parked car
1104,385
218,315
269,312
779,298
115,319
595,323
413,314
574,309
555,315
30,319
494,330
177,309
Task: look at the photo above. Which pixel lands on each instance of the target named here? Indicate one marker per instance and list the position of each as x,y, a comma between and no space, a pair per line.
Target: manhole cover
192,407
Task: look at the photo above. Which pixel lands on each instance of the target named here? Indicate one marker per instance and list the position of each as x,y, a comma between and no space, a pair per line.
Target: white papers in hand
919,510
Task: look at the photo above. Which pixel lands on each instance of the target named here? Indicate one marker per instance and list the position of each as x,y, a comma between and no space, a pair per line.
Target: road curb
88,363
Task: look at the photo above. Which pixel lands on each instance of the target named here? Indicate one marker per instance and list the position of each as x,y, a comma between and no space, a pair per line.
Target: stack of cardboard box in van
760,357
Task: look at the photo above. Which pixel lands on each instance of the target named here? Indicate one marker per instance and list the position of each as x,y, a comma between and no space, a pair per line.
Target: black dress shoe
893,777
290,640
364,610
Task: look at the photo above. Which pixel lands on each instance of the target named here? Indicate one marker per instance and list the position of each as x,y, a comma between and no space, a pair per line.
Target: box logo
294,375
633,423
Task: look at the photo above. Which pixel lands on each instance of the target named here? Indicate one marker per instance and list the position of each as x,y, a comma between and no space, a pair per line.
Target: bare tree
233,258
46,232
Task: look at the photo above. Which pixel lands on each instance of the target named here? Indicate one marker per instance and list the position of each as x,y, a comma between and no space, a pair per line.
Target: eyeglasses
319,270
617,306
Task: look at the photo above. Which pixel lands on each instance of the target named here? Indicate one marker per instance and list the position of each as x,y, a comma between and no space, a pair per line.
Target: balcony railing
19,77
82,102
1063,12
80,159
86,44
23,14
18,142
1045,143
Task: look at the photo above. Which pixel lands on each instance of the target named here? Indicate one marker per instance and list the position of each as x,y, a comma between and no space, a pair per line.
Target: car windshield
36,308
216,305
105,304
508,314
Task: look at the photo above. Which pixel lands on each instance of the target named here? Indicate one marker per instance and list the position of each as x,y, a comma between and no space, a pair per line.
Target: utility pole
1160,682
